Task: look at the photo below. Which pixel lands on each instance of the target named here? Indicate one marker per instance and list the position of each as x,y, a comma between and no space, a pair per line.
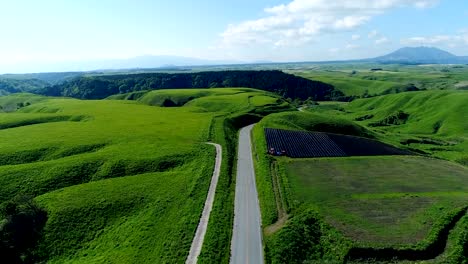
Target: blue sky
35,32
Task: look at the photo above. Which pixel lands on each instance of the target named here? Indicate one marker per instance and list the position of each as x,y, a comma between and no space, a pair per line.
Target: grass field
122,181
348,84
435,122
359,80
379,200
397,202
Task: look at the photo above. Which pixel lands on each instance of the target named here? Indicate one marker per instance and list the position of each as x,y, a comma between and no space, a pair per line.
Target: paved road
197,242
246,244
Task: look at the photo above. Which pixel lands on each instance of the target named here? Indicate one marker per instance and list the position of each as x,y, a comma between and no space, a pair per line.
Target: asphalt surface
197,242
246,244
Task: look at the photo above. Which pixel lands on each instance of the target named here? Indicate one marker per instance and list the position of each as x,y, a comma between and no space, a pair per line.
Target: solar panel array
303,144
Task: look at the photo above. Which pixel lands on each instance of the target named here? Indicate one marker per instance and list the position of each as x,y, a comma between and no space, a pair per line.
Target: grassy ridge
358,80
398,202
427,122
177,97
116,139
125,182
141,218
435,124
315,122
348,84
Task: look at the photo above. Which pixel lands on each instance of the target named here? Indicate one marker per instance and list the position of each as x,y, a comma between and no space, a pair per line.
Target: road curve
197,242
246,244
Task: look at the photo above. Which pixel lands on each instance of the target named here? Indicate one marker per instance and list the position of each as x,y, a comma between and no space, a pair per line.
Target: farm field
120,181
379,200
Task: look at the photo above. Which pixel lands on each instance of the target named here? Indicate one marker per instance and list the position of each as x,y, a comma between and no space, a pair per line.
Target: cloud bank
301,21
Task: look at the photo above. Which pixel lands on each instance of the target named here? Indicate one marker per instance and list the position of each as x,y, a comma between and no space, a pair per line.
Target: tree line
102,86
9,86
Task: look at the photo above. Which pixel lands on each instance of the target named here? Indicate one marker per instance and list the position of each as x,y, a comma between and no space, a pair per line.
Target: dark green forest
9,86
286,85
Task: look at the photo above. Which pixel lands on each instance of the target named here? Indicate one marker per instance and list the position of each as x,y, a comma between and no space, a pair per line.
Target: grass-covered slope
350,85
171,98
358,80
314,122
350,208
14,102
122,181
116,139
432,121
222,100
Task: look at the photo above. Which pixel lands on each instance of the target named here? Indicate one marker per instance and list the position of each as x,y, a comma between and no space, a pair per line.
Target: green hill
354,208
121,181
431,121
102,86
315,122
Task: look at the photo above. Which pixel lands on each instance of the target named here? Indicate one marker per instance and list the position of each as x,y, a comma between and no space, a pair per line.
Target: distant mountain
151,61
140,62
420,55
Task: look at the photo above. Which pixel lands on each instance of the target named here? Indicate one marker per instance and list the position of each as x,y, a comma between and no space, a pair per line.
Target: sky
37,33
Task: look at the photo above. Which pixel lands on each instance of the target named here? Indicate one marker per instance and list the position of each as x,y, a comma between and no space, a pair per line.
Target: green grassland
122,181
358,79
435,122
368,202
222,100
379,201
349,84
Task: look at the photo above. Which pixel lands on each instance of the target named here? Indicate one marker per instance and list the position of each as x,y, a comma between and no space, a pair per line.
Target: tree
20,229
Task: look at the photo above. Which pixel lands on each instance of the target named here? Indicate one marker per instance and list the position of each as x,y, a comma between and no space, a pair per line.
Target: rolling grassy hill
359,80
121,181
348,84
81,160
435,121
223,100
366,204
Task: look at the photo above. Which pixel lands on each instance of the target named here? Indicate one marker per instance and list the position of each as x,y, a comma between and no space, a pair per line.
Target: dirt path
197,242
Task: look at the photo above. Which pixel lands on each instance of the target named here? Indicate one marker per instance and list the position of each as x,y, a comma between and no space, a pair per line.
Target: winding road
246,244
197,242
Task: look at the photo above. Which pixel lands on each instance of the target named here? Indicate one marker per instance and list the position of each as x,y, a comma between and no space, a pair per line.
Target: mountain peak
419,55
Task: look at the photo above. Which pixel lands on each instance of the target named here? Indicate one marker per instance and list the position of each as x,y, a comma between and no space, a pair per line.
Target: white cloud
373,34
355,37
449,40
300,21
351,46
382,40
